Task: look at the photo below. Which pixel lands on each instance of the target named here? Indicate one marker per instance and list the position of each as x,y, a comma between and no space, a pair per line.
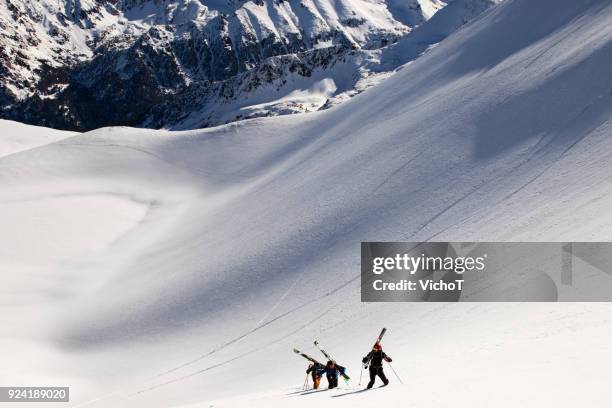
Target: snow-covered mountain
161,269
307,81
83,64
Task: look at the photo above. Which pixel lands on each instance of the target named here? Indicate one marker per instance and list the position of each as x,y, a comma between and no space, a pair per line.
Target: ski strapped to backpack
306,356
327,356
380,336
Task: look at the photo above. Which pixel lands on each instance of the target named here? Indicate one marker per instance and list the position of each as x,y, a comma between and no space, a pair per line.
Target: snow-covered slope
17,137
240,242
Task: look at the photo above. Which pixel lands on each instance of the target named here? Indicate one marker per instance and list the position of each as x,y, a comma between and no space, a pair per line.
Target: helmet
377,346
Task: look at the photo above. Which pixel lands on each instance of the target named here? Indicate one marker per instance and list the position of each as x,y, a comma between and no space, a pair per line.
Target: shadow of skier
350,393
308,392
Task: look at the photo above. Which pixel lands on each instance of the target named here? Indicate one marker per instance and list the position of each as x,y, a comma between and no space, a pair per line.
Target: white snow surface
204,257
17,137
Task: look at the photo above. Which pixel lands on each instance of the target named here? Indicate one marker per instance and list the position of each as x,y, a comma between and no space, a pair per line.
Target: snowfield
179,269
17,137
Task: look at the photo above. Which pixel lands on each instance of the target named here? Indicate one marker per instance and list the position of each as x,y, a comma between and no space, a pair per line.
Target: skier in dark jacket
316,370
331,371
376,357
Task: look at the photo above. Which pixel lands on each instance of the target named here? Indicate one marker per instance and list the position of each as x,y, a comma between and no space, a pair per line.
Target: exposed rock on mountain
84,64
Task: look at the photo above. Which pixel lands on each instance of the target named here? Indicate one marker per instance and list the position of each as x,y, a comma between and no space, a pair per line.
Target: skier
376,357
331,371
316,370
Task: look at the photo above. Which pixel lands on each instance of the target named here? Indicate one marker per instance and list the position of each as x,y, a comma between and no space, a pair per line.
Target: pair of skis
306,356
325,353
380,336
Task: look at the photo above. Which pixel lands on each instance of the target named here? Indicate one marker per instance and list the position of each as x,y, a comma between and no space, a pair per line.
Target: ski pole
360,375
394,372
